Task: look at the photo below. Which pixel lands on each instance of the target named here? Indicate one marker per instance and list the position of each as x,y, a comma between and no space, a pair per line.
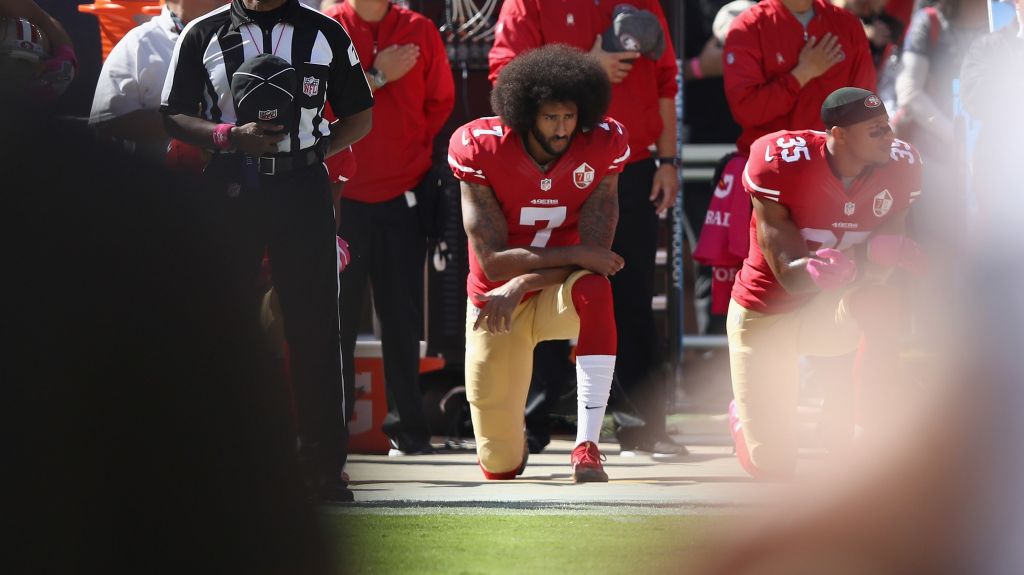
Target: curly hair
552,73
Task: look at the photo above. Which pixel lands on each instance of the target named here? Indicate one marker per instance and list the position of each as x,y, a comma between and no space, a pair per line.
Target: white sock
593,383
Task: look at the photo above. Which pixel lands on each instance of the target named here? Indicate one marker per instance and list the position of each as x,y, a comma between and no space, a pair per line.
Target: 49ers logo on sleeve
310,85
882,203
583,176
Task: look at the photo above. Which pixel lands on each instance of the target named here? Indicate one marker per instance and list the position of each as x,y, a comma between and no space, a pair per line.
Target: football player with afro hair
540,204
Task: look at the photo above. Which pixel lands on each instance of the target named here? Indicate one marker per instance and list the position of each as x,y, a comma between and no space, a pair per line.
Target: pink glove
56,74
892,250
343,256
831,269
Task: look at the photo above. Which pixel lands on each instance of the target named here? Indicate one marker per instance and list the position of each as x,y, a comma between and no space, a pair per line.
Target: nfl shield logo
545,184
583,176
310,86
882,203
849,208
267,114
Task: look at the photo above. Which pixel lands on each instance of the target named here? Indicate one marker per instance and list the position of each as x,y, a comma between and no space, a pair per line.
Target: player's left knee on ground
592,298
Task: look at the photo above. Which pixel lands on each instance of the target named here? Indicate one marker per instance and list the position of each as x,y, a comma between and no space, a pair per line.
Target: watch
673,160
378,78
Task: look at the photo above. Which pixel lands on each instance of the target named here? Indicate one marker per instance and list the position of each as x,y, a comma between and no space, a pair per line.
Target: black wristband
673,160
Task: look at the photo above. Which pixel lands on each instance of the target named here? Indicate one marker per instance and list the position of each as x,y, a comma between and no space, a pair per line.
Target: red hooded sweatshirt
407,113
522,25
761,50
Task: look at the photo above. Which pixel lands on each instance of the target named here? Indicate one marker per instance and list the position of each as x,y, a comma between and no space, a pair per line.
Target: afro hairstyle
552,73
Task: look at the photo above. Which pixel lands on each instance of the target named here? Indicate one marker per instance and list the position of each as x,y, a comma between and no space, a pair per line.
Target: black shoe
666,449
402,448
663,448
334,492
536,443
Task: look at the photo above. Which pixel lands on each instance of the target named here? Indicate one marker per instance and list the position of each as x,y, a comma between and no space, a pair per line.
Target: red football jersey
541,207
792,168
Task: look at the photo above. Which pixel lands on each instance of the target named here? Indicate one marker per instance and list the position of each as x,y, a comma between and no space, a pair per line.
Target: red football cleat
586,464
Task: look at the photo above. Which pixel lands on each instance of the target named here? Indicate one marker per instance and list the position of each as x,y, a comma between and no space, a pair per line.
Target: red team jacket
541,208
792,168
763,46
576,23
407,113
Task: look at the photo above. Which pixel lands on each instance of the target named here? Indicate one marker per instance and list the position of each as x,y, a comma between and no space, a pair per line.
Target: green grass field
517,542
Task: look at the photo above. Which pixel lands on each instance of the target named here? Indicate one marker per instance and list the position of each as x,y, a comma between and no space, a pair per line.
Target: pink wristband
695,68
222,136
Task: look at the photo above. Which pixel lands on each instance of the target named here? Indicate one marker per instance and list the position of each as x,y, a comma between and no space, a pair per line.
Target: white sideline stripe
746,177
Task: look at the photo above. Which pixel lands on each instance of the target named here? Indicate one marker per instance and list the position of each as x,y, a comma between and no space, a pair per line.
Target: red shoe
740,442
586,464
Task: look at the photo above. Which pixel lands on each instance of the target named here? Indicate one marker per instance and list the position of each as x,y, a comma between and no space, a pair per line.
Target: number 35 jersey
541,208
792,168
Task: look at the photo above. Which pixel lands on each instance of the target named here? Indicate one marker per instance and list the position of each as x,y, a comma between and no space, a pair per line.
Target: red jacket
407,113
576,23
763,47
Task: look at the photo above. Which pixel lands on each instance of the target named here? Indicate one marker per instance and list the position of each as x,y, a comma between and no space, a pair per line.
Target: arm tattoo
600,214
483,219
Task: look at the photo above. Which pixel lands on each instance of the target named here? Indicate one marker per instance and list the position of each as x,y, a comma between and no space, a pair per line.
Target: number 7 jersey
792,168
541,208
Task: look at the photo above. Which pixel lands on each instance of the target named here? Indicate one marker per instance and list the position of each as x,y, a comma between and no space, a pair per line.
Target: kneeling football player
828,227
539,205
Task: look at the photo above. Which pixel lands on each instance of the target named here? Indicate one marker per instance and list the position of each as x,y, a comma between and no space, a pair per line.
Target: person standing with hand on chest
406,66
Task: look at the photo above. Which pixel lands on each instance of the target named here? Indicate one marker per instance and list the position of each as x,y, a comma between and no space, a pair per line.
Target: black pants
638,355
291,217
388,249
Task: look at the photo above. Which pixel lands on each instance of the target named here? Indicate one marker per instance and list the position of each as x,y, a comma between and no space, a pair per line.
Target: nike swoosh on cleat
595,407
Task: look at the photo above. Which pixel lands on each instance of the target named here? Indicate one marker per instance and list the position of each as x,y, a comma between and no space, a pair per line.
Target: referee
276,194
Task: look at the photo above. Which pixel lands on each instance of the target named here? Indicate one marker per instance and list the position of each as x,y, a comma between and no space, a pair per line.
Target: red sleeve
863,74
619,143
761,177
341,166
753,99
440,88
667,70
517,31
463,157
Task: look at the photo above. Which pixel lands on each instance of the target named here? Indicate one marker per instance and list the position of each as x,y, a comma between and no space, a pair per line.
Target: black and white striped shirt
211,49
